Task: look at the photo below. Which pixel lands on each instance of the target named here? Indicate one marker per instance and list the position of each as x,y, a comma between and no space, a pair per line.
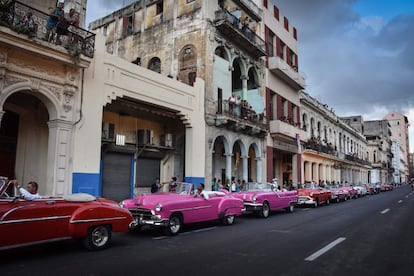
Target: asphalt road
373,235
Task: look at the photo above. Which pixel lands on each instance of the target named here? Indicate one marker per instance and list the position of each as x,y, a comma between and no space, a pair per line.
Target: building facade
40,94
333,151
399,133
283,84
218,42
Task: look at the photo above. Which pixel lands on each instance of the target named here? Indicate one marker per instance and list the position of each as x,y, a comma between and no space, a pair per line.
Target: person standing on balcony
56,15
62,28
232,101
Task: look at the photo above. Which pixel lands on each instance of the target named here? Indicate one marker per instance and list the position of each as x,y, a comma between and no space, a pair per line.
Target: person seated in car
200,189
30,193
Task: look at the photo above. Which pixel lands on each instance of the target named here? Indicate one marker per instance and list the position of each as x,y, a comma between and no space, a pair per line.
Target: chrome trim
33,219
95,220
189,209
14,209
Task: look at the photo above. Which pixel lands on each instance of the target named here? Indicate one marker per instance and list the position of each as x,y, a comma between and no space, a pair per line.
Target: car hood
306,192
150,200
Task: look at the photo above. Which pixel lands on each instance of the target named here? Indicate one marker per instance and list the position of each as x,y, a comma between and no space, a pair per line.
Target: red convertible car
180,206
314,196
78,216
262,198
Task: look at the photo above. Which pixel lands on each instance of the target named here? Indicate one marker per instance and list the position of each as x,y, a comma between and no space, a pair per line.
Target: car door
204,208
26,221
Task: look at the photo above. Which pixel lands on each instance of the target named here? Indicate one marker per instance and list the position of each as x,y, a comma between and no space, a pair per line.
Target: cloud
358,65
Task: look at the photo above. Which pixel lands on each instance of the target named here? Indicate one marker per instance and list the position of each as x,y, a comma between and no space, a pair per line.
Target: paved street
366,236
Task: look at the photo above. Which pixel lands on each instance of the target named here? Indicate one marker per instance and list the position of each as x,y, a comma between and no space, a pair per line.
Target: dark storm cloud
355,64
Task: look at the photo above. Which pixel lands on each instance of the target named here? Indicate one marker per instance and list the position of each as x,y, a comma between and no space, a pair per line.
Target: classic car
337,193
313,195
78,216
171,210
262,198
361,190
353,193
386,187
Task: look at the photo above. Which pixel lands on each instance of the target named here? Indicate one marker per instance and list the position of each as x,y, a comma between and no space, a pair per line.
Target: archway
24,139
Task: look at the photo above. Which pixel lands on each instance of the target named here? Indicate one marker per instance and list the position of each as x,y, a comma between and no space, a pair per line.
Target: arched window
188,65
155,65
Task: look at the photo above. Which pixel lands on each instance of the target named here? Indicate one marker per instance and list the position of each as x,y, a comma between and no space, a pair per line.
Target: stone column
259,169
228,167
58,174
244,87
245,167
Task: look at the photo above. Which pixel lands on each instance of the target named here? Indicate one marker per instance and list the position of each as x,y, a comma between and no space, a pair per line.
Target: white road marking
324,249
204,229
280,231
187,233
400,201
385,211
159,238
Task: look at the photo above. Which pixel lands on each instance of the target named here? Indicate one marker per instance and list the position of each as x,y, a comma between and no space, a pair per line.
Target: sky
357,56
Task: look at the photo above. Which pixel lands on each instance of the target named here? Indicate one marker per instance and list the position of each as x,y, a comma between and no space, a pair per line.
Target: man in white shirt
30,193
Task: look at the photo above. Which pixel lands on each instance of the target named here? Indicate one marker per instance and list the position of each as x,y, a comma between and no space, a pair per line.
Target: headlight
311,194
158,207
254,197
122,204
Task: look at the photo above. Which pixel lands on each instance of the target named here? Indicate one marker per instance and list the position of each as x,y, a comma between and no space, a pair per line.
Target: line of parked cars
91,219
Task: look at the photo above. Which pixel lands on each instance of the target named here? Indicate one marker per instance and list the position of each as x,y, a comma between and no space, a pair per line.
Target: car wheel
315,204
328,201
98,237
290,208
229,220
337,199
265,210
174,225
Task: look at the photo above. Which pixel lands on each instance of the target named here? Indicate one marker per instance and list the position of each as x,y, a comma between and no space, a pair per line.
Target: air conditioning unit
167,140
145,136
108,131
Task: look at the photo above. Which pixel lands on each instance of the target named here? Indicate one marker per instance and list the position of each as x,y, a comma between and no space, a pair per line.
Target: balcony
250,8
78,41
283,70
279,128
246,121
241,35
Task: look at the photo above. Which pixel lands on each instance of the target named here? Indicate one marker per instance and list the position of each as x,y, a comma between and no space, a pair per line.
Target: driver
30,193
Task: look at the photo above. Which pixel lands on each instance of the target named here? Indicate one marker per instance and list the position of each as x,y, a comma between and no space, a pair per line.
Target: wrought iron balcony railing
32,22
240,33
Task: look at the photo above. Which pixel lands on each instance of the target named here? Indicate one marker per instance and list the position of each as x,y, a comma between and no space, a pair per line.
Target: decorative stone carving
55,90
35,84
10,80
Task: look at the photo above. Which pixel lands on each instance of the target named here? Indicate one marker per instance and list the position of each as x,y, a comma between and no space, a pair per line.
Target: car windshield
309,186
252,186
4,183
181,188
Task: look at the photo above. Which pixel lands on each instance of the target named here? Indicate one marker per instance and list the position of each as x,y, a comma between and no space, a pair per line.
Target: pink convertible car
182,206
261,198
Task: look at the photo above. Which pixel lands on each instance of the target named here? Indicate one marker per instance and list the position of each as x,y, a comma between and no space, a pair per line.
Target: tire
264,213
229,220
290,208
174,225
98,237
328,201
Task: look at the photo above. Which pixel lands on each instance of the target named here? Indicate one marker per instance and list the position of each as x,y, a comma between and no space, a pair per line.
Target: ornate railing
77,41
242,28
328,149
240,112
